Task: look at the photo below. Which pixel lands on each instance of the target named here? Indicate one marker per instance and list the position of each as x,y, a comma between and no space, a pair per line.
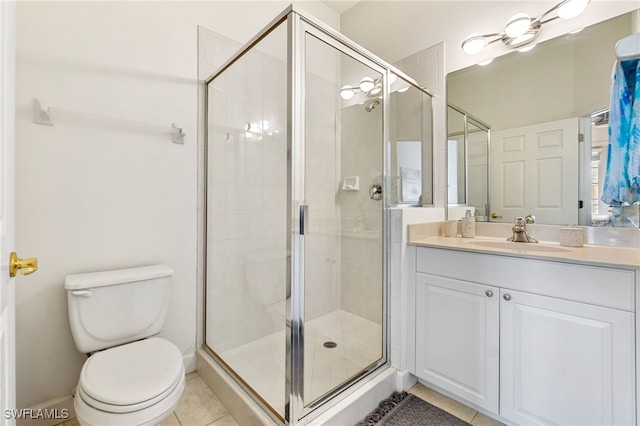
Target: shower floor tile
261,363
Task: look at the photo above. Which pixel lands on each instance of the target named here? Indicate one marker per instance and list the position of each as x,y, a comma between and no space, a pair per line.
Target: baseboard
48,413
190,363
406,380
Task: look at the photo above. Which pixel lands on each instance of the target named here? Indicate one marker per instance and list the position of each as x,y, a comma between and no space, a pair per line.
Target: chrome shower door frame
468,118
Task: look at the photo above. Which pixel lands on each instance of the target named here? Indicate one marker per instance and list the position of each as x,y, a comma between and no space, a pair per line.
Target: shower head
372,105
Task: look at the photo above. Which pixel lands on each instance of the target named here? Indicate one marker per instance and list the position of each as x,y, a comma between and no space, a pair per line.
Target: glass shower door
343,236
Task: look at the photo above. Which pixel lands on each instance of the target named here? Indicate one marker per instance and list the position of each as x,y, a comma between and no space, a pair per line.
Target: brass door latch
25,266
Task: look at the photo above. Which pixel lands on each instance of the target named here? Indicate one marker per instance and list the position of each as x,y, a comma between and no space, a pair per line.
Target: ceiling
341,6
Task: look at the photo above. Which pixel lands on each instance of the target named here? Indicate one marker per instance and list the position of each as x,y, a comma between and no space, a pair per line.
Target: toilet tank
110,308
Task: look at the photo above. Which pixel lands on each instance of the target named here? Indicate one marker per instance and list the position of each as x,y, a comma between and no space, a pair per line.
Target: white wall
91,196
394,30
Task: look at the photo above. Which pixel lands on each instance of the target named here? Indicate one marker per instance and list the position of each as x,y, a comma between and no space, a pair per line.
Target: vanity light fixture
348,92
367,85
517,25
521,29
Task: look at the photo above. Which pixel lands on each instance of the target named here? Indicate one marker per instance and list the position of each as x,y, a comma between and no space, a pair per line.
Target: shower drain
330,345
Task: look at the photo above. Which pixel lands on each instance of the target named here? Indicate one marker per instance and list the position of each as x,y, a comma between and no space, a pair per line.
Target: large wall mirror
553,101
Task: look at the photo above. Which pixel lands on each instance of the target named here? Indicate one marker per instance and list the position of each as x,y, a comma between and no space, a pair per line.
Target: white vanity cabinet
536,342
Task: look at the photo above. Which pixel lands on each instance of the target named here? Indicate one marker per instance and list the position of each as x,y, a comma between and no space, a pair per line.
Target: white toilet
133,378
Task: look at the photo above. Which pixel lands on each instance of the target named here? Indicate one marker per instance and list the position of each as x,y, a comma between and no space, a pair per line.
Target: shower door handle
304,219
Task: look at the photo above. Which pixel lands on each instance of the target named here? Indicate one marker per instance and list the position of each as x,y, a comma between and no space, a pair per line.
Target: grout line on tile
216,420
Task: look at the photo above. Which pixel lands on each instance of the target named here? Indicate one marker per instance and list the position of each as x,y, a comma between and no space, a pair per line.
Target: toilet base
150,416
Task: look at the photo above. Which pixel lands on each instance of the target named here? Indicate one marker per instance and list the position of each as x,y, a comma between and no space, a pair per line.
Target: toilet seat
150,416
131,377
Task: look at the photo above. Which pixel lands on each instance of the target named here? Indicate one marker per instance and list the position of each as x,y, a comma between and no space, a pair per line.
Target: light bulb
375,90
366,84
392,78
404,89
347,92
474,43
517,25
572,8
487,62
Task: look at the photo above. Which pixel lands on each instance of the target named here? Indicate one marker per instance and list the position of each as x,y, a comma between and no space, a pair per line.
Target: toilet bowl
138,383
135,383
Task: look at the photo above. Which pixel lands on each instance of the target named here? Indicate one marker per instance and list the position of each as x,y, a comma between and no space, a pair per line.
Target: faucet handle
530,219
519,221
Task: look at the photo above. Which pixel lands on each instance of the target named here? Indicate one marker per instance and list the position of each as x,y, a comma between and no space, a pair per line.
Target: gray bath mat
404,409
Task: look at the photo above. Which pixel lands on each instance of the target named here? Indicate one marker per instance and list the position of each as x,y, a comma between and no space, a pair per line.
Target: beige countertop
430,235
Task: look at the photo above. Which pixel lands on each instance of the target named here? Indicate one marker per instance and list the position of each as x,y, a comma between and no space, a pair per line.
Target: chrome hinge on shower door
304,219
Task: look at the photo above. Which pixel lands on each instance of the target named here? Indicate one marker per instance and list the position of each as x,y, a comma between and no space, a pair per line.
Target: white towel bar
42,115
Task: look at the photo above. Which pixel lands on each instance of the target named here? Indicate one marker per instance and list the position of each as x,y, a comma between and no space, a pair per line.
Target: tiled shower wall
322,245
361,269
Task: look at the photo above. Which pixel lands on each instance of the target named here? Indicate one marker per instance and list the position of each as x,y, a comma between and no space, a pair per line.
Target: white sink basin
524,247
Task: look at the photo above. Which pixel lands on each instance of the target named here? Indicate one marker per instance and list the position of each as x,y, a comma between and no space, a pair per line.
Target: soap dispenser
468,225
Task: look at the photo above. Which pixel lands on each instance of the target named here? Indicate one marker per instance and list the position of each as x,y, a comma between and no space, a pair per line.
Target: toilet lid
132,373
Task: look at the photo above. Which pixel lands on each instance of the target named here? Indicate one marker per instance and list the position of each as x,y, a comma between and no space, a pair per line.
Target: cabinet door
565,363
457,338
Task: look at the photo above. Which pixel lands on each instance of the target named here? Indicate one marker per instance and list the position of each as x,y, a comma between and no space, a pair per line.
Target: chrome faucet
520,234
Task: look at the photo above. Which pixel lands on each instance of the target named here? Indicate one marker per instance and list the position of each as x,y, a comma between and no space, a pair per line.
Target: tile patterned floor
199,406
451,406
70,422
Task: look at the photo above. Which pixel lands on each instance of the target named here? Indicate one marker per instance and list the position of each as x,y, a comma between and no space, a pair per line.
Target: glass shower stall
297,196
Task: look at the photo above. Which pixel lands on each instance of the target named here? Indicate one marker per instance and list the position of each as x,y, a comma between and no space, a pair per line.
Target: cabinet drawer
613,288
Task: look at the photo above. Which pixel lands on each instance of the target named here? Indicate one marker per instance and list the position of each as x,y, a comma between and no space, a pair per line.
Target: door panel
343,257
535,171
457,338
565,363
